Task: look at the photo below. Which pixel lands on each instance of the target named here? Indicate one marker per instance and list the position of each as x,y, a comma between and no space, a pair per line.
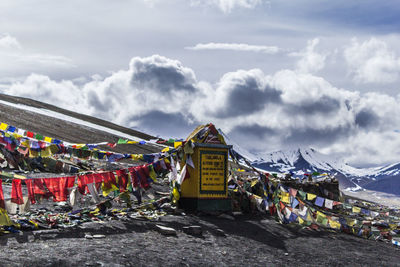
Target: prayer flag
293,192
3,126
16,192
334,224
302,194
329,203
285,198
319,201
356,209
295,203
177,144
122,141
311,196
2,205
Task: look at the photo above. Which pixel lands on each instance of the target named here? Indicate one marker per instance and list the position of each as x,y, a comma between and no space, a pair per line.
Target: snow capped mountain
304,160
308,160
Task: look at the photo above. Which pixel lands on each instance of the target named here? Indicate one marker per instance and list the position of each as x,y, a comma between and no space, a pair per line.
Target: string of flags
291,205
35,148
61,188
296,206
39,137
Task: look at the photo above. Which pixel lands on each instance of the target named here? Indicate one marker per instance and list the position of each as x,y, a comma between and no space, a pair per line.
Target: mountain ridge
308,160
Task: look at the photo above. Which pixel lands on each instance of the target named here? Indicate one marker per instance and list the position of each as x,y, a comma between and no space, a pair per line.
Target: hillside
69,126
129,237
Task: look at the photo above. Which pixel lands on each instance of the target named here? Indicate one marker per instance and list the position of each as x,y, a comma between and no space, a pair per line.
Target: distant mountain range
299,161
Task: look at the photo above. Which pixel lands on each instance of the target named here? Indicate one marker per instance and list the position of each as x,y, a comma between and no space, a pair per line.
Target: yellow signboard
212,172
207,187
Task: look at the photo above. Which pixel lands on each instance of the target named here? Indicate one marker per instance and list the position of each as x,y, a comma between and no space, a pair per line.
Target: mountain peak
303,160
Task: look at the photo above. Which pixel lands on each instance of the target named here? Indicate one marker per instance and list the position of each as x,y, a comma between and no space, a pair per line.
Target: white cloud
42,88
264,112
150,3
13,56
310,61
236,47
372,61
9,42
227,6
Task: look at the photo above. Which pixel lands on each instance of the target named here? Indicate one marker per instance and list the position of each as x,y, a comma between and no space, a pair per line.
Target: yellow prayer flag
48,139
301,221
3,126
177,144
165,149
351,222
17,135
107,191
356,209
4,219
33,153
153,175
45,153
311,196
285,199
334,224
132,142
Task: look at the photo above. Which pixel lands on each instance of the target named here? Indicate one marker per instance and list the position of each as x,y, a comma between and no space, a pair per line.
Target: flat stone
165,230
88,236
193,230
99,236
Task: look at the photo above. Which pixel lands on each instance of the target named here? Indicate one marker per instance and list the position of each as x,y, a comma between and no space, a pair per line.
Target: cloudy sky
271,74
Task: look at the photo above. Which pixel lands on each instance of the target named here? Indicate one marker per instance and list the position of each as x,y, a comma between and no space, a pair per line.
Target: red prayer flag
109,179
134,177
2,205
122,180
57,187
31,192
16,192
140,172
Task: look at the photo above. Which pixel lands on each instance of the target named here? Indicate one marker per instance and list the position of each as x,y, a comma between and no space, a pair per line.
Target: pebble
87,236
165,230
99,236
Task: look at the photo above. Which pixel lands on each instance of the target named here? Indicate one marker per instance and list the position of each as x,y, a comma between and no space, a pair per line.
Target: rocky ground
243,240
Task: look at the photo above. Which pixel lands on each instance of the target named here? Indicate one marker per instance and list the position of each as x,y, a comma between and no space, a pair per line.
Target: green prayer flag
122,141
302,194
39,137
